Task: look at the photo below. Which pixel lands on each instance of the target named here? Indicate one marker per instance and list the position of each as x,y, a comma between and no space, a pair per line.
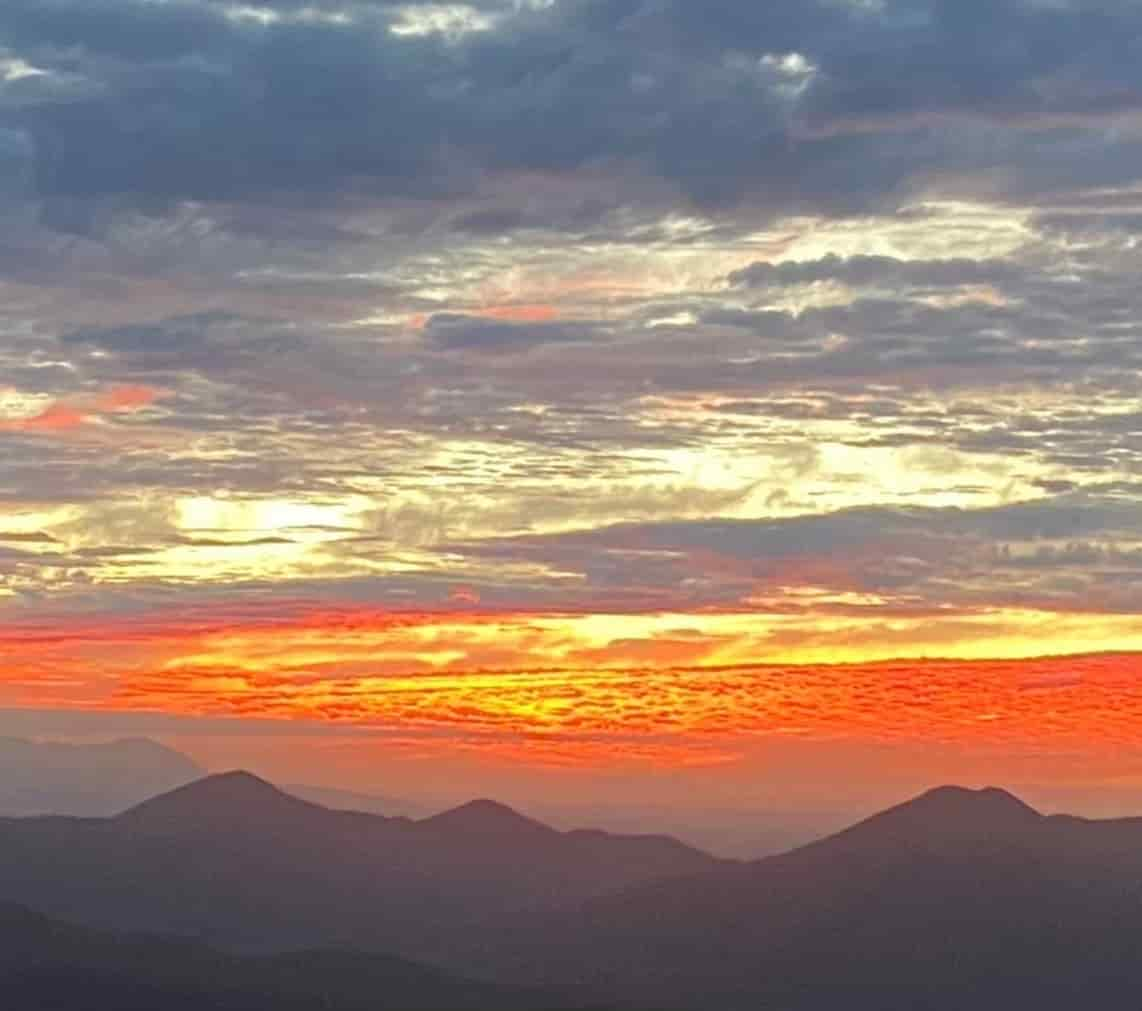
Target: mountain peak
990,801
486,817
947,814
240,797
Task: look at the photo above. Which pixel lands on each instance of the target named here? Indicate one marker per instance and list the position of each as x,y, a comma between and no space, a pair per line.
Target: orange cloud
127,398
56,418
513,684
70,416
1084,706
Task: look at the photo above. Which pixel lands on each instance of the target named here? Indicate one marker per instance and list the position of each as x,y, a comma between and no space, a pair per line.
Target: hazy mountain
733,832
368,803
39,777
101,779
236,861
958,899
49,965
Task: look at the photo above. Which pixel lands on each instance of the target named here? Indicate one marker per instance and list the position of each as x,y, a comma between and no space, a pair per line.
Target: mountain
235,861
53,966
487,819
957,899
220,802
101,779
46,777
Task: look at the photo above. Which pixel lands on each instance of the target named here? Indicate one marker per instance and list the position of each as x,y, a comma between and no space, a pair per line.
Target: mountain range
957,899
101,778
97,779
234,860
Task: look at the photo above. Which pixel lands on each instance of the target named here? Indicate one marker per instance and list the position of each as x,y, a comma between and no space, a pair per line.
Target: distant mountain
487,819
39,777
737,831
958,899
233,860
47,965
369,803
99,780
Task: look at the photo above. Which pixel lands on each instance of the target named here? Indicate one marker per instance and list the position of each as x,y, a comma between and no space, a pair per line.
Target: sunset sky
644,400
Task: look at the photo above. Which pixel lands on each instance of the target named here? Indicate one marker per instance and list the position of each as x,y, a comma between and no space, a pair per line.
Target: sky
723,403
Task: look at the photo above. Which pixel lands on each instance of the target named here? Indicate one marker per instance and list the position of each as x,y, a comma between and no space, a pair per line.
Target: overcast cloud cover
561,334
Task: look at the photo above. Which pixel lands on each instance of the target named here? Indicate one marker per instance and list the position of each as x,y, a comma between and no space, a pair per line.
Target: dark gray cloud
16,157
185,103
458,332
207,342
166,336
181,100
877,271
1077,552
999,60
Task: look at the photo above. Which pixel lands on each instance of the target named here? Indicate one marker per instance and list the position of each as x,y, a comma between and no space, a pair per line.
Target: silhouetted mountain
47,965
220,801
40,777
948,811
488,818
233,860
958,899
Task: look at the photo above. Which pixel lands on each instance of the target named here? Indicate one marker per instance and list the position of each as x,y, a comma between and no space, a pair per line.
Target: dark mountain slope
46,965
958,899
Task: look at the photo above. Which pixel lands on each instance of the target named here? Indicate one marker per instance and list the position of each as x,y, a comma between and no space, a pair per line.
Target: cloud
879,271
1077,552
55,723
459,332
17,155
186,101
173,335
205,343
62,417
609,306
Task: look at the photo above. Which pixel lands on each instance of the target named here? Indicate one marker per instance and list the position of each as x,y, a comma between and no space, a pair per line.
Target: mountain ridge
234,859
955,898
